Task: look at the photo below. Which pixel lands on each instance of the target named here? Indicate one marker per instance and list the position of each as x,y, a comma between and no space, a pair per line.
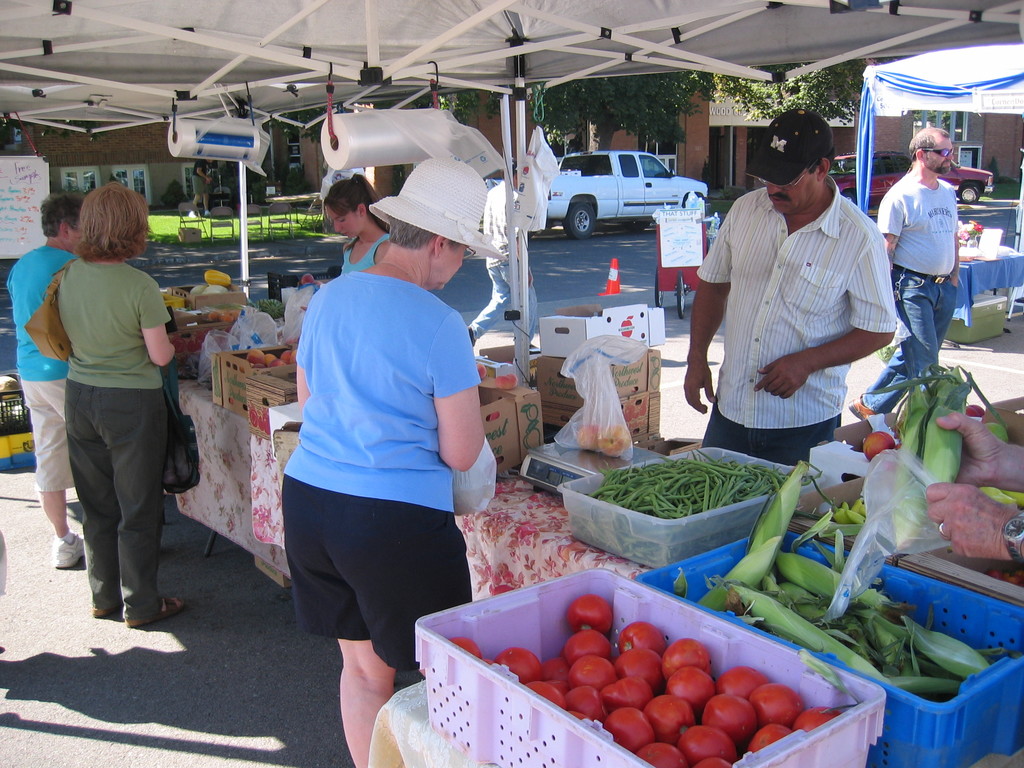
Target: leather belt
937,279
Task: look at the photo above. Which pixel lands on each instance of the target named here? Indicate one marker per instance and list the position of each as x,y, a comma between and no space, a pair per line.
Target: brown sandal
169,606
102,613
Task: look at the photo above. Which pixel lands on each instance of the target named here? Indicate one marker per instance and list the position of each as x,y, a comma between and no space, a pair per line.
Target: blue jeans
783,446
501,299
926,308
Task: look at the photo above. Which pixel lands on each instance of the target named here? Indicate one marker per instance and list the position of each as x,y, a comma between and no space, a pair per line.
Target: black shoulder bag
181,466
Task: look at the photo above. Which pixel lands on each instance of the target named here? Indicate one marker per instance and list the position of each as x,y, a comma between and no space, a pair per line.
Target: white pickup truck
625,187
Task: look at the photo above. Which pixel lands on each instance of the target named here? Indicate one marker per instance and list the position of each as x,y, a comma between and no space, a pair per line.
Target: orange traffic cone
612,287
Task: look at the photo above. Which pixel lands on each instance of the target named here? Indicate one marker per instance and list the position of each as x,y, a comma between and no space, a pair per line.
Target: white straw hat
445,197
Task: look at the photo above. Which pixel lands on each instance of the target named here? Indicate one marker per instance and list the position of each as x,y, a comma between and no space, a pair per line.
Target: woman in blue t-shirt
387,382
347,208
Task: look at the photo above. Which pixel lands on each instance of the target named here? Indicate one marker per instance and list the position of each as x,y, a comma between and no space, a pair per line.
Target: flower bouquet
969,233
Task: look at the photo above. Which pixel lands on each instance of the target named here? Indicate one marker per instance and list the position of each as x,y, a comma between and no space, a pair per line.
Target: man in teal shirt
43,378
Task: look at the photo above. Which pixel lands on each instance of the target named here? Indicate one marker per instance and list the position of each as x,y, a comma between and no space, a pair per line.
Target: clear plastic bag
253,329
599,425
215,341
295,312
474,488
897,523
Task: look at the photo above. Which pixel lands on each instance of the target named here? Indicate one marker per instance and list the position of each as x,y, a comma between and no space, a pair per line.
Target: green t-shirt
104,308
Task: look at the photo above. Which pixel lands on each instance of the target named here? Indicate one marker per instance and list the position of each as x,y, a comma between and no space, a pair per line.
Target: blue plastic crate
985,717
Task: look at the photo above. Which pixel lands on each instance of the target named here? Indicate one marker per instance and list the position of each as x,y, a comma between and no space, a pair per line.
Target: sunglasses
765,182
943,152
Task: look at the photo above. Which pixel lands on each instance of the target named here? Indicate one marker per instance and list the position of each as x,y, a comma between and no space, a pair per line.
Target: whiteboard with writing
24,183
681,237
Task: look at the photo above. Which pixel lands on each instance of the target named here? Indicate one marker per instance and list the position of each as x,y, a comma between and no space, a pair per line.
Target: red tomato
592,670
766,735
627,692
662,755
703,741
776,703
669,715
561,685
692,684
586,700
974,410
740,681
641,662
589,612
712,762
811,718
629,728
466,644
685,652
586,642
522,663
642,634
548,691
555,669
734,715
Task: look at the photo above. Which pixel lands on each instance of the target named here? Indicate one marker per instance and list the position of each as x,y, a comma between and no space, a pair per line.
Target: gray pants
117,439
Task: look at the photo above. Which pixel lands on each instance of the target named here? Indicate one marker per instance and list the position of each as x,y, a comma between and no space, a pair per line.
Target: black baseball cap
794,140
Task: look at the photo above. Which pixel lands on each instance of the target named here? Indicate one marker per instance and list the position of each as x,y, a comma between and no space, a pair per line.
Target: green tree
647,106
832,92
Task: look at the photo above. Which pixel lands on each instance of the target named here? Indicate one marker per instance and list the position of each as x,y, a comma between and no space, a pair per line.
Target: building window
953,123
664,150
134,177
79,179
294,155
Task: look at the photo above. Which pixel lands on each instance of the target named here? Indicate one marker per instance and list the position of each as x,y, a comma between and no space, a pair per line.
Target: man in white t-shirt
919,220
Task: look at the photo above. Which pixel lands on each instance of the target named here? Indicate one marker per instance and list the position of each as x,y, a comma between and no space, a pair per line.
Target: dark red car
890,167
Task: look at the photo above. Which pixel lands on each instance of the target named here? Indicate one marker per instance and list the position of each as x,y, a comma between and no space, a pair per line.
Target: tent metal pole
520,270
515,254
243,227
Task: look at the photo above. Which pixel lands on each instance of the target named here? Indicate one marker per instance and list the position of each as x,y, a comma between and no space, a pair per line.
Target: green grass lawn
163,227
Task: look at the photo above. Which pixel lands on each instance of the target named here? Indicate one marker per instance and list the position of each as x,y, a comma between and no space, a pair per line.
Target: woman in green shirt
116,416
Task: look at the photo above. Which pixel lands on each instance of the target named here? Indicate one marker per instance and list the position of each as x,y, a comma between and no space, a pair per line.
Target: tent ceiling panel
140,54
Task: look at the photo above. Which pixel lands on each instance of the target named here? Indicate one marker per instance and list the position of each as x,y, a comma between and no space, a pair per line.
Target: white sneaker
67,555
192,214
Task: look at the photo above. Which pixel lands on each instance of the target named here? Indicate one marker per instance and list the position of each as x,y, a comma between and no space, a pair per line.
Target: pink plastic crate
484,711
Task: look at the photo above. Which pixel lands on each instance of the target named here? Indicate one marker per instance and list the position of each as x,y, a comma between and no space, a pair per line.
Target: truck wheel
968,193
579,221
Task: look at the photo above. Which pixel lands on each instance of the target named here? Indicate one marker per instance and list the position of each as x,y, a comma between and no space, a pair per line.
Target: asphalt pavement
231,681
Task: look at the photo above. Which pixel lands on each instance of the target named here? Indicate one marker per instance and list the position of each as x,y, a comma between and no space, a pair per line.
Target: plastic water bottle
713,226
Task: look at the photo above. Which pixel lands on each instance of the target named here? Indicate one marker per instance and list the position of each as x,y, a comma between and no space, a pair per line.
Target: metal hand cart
682,245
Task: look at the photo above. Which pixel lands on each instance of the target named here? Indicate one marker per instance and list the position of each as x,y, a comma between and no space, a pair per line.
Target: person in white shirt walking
919,220
799,275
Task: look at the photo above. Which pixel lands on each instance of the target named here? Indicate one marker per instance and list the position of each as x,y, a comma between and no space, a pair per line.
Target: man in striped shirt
800,277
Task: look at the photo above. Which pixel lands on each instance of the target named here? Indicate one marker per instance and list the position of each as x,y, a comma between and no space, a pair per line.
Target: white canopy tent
978,79
115,63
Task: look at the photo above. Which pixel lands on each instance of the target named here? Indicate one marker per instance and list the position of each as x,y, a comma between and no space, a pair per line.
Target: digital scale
550,465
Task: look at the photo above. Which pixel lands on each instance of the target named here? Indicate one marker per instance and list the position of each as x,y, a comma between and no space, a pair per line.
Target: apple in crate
877,442
256,358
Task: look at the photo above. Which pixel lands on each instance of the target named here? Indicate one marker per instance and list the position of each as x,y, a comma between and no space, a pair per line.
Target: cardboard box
526,410
669,446
190,235
641,376
234,295
642,412
561,334
988,315
230,370
812,504
501,429
275,575
264,390
507,354
188,345
1012,413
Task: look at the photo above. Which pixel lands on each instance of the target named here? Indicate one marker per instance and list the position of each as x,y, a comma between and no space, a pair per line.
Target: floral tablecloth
267,522
223,500
523,538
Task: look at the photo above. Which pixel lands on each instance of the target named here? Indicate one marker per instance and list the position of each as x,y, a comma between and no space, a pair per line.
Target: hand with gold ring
943,532
969,520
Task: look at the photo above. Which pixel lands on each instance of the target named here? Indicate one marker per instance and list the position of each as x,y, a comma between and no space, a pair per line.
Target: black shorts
367,569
